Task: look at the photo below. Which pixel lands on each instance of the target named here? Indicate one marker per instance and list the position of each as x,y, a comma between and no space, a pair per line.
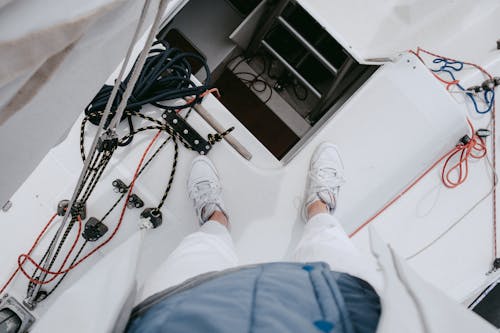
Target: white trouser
324,239
212,249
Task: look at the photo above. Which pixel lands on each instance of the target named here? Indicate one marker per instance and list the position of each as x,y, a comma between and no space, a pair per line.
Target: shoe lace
205,192
326,179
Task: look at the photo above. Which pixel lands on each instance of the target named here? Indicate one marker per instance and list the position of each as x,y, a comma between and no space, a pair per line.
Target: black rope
172,175
71,264
33,275
95,177
82,137
166,75
217,137
142,129
162,201
31,284
131,129
138,174
61,243
150,159
124,140
92,167
143,116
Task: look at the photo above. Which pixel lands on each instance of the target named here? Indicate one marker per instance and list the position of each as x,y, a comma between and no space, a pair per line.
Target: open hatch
278,70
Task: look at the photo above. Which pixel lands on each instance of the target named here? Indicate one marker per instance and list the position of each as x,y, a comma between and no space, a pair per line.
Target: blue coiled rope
449,67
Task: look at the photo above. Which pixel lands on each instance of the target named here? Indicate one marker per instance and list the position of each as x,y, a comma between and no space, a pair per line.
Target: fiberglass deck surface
387,133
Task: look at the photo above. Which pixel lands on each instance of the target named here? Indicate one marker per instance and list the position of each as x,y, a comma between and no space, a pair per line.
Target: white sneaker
204,189
324,178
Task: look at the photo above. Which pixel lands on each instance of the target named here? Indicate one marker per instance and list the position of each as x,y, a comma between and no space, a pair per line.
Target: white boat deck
394,127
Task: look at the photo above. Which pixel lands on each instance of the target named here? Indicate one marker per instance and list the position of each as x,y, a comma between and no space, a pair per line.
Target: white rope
454,224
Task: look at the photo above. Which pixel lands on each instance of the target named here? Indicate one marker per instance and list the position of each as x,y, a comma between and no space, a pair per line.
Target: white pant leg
209,249
325,240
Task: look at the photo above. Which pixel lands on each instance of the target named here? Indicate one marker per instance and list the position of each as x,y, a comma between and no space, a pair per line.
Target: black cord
166,75
257,83
71,264
115,204
172,174
252,80
131,130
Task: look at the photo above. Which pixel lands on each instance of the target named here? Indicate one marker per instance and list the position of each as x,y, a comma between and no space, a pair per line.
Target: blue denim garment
273,297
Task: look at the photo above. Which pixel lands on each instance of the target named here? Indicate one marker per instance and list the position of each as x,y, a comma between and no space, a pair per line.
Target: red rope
474,149
493,142
23,257
40,235
396,198
209,91
27,257
465,151
122,214
448,83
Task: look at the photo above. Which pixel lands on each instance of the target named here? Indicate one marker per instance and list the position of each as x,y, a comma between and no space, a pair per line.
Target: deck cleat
79,208
119,186
488,85
107,143
135,202
94,229
62,206
464,140
483,133
475,89
151,218
496,264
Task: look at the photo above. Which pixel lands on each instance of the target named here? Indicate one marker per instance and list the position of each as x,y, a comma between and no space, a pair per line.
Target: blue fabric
275,297
324,326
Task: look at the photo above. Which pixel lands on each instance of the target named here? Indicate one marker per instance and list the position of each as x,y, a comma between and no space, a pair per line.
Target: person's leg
323,238
209,249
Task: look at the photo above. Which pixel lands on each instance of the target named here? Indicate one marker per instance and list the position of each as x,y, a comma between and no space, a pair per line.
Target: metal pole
30,301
